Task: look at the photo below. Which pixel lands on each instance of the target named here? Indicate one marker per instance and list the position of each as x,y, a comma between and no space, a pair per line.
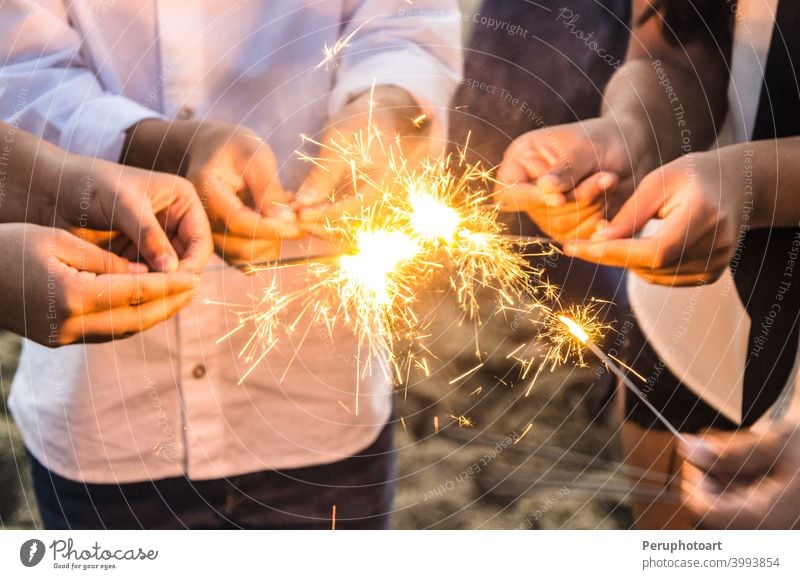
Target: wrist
757,183
158,145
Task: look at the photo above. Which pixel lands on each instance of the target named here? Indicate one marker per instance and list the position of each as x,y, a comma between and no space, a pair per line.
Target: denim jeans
361,487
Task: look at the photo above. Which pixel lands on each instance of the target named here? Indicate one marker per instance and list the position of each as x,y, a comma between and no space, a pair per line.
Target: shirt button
185,113
199,371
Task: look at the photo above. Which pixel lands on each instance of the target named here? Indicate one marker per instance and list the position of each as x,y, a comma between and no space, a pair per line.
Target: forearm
771,176
159,145
667,100
30,173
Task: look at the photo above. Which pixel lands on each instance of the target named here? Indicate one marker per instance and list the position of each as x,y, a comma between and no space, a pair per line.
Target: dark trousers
361,487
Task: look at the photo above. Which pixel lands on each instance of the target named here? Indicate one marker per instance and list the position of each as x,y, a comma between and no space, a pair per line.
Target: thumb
641,207
565,173
85,256
741,454
144,229
322,181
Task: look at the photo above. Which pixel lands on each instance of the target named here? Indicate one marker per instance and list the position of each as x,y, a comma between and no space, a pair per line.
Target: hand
700,198
58,289
744,480
571,177
329,192
155,216
235,174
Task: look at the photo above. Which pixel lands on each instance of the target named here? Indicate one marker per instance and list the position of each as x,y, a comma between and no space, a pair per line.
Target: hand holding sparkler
235,175
744,479
702,206
384,118
567,178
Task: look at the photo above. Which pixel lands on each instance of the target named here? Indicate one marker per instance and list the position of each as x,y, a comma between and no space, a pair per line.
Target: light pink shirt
166,402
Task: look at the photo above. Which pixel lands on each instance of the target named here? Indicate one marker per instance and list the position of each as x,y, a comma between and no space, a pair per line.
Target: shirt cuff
431,86
97,128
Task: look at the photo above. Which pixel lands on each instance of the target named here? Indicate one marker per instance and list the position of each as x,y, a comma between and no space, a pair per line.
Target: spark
436,424
584,336
524,432
331,52
423,227
477,391
463,421
333,518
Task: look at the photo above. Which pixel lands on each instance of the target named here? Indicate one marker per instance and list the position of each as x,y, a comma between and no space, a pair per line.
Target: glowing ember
431,218
574,329
379,255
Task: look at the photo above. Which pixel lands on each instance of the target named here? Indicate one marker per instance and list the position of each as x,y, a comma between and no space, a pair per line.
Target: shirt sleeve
415,46
49,89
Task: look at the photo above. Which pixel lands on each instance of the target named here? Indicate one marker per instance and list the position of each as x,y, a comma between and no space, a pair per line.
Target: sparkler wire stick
326,257
256,266
578,332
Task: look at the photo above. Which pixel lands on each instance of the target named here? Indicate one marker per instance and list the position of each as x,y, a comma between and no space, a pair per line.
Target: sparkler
580,333
417,227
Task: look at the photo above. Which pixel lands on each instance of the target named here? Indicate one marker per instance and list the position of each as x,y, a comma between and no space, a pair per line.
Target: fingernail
600,231
283,213
554,200
695,450
607,180
550,180
166,262
308,196
568,248
134,267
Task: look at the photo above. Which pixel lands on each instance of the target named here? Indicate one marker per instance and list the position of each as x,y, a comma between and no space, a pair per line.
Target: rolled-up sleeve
47,88
415,46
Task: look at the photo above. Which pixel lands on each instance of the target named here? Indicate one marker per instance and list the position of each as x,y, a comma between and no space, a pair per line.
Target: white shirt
702,333
166,402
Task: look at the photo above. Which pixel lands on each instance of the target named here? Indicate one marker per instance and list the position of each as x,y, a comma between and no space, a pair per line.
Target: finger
85,256
123,322
236,250
323,181
144,229
740,454
192,239
520,166
261,177
519,198
227,211
594,186
106,292
353,205
634,214
654,252
570,222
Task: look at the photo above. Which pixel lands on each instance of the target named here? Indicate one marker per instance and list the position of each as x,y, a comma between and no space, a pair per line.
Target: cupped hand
700,200
382,123
571,177
149,215
59,289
